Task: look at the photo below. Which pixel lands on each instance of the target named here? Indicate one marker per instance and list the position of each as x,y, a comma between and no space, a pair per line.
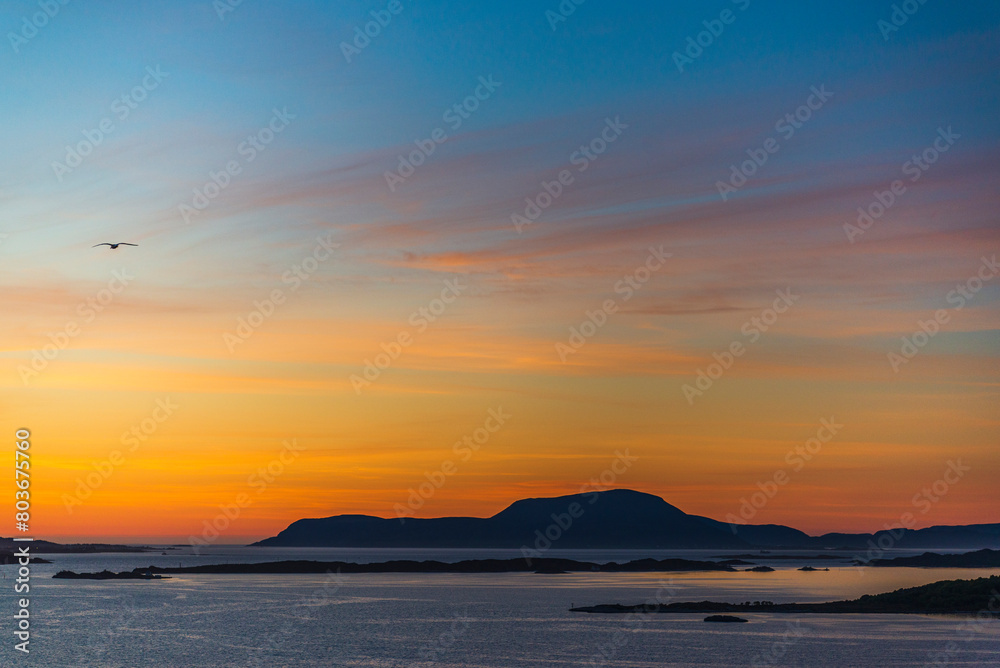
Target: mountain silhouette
614,519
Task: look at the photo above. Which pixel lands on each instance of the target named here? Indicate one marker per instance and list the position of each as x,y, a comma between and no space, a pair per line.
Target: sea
470,620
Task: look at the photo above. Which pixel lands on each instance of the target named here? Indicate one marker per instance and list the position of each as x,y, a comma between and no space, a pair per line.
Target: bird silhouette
114,246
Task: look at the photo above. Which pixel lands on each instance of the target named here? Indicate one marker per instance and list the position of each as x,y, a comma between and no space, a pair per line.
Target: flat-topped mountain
612,519
615,519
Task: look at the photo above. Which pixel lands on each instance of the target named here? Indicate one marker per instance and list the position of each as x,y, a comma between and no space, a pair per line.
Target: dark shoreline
108,575
980,596
408,566
48,547
985,558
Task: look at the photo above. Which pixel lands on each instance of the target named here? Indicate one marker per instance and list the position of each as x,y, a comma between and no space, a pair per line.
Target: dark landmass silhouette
544,566
615,519
620,518
48,547
977,559
8,558
981,596
137,574
797,557
966,537
724,618
541,566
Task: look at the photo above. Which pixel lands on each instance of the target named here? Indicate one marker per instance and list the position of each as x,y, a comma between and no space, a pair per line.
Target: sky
490,251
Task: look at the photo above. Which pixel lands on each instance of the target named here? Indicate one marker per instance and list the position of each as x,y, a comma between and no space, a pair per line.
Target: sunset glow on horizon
468,270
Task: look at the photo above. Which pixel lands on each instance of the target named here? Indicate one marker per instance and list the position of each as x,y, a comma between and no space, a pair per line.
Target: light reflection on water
479,620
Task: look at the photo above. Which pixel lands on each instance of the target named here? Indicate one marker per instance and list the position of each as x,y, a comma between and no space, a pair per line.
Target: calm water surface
470,620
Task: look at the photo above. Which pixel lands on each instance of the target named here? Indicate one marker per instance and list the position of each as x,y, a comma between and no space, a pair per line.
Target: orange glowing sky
167,335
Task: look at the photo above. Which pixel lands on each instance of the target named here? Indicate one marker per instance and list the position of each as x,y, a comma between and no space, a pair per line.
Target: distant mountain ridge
614,519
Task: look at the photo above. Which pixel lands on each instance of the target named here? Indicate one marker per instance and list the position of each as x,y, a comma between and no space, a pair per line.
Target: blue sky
348,123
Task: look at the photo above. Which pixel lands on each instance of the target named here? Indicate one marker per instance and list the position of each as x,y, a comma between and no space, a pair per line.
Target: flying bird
114,246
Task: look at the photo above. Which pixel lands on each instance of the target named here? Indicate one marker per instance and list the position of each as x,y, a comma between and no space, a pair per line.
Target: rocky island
137,574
